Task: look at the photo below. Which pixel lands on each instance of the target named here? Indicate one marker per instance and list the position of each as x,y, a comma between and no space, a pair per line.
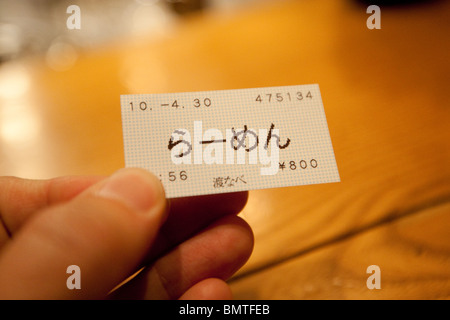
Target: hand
112,227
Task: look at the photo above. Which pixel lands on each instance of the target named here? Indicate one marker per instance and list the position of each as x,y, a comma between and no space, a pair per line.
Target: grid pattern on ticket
297,112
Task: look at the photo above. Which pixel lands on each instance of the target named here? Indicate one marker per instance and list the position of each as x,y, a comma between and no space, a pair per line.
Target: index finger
188,216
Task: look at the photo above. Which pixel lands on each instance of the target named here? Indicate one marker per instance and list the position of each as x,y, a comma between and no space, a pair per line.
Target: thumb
105,231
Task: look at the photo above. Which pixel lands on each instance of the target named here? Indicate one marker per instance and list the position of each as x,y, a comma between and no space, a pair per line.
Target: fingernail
136,188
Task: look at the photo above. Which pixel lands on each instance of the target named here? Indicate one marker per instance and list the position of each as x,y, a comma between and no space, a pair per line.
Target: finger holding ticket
230,140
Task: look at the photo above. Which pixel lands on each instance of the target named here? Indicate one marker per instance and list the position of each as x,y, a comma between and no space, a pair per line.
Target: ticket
211,142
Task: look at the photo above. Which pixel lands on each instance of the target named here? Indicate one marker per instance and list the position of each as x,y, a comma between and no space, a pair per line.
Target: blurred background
385,97
38,26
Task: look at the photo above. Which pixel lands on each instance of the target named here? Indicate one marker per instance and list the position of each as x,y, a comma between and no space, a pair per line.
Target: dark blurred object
30,27
394,2
10,41
186,6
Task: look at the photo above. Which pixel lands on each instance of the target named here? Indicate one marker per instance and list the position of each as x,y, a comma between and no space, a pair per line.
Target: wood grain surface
411,252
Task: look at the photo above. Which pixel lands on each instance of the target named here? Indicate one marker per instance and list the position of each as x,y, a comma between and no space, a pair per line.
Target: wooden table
385,94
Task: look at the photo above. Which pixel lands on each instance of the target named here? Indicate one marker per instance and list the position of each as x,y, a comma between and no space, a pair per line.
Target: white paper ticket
230,140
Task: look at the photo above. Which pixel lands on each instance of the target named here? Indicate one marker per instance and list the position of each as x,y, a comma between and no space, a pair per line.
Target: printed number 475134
280,97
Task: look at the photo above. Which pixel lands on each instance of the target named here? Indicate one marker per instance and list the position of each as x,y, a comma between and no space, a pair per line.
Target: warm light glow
14,81
150,20
18,125
61,56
